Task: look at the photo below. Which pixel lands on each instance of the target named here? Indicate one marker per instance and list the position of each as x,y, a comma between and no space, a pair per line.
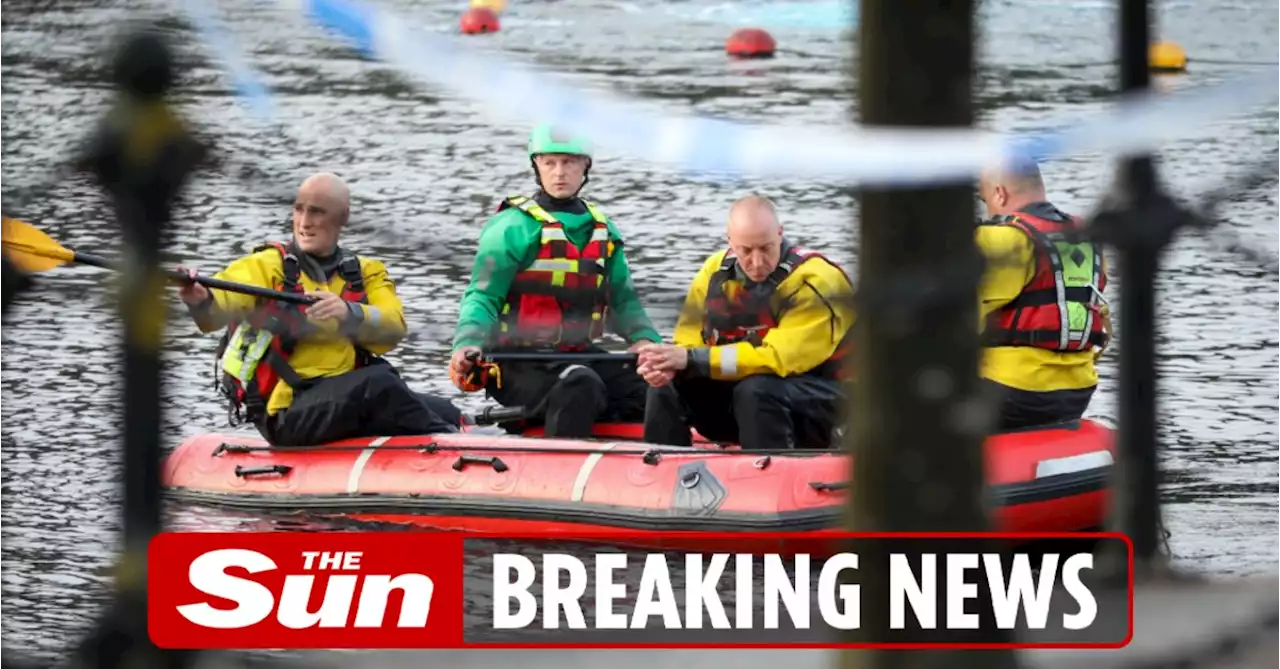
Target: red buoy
477,20
750,43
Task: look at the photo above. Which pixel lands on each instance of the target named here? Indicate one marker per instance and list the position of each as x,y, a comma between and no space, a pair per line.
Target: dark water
425,167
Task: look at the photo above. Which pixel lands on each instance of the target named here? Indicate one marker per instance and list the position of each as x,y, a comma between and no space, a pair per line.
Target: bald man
1044,316
759,345
313,374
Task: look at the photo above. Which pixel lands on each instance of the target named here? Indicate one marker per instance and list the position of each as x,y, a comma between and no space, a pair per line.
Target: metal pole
1140,221
141,156
1138,267
916,425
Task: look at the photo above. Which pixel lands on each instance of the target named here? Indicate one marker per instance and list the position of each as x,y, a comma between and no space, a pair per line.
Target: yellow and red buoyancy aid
1060,308
734,314
270,337
561,300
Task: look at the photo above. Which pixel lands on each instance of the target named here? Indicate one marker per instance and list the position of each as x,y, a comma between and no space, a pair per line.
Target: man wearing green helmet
550,274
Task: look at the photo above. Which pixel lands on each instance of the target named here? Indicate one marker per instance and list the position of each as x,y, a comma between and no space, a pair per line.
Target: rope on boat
650,455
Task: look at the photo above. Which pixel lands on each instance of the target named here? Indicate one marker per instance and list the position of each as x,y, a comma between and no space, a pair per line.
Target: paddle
552,356
31,250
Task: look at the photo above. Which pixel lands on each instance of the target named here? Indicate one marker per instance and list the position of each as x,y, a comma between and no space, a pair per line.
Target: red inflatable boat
1053,479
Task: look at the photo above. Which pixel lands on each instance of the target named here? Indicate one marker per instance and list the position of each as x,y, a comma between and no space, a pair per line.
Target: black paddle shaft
207,282
552,356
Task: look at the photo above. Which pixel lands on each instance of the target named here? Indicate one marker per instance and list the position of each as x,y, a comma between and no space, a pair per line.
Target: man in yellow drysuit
760,344
311,374
1045,319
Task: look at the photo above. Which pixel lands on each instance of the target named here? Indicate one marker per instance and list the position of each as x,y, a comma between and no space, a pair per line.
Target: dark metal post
917,426
16,282
141,155
1138,266
1139,220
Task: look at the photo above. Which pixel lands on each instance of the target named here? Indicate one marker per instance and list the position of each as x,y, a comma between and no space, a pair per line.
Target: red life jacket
561,300
248,402
1060,309
733,314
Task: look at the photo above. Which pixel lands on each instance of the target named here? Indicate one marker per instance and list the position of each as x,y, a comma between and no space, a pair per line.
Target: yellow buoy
496,6
1167,57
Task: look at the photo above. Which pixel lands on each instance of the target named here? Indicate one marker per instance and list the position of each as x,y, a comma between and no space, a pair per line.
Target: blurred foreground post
141,155
917,424
1139,220
15,282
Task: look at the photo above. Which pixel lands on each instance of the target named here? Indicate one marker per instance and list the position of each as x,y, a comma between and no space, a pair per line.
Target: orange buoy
750,43
478,20
1167,57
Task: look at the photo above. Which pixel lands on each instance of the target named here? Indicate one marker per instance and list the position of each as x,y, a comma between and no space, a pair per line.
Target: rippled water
425,168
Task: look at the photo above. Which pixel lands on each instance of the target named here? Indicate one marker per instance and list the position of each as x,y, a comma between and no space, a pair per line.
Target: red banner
305,590
637,590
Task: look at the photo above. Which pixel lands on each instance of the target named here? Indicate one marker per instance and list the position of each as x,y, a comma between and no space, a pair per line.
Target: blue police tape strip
839,14
870,156
817,14
244,78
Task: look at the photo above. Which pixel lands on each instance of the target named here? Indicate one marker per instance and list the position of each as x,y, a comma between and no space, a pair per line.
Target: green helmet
546,139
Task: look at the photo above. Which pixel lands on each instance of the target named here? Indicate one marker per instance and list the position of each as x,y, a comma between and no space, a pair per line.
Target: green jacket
509,243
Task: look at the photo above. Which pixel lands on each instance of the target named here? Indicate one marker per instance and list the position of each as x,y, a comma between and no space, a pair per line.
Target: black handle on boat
497,414
491,460
552,356
231,448
265,469
824,486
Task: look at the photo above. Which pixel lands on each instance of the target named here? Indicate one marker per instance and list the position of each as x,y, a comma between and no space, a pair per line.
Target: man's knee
759,390
818,409
374,379
443,407
579,383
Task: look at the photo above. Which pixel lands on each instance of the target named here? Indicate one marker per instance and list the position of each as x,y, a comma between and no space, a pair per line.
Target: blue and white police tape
701,145
880,156
838,14
244,78
813,14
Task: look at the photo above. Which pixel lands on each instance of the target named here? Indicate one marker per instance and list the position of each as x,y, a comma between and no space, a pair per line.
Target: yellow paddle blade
30,248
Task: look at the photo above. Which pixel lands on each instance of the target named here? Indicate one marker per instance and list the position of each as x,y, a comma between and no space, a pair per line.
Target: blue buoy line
710,146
